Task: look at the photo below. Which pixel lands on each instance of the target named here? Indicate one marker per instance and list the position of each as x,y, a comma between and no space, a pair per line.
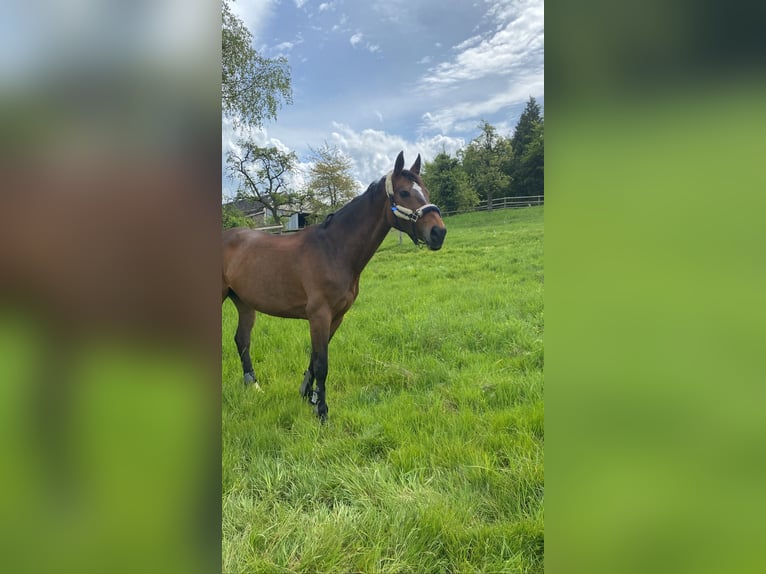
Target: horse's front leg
319,359
307,386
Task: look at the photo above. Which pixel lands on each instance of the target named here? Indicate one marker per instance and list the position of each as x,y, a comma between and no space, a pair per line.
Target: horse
314,273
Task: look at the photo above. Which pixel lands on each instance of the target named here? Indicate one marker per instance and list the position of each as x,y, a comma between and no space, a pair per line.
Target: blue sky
377,77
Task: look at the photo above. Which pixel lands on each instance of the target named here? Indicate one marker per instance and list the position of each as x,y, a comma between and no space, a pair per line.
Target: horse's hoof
314,398
251,380
321,416
321,413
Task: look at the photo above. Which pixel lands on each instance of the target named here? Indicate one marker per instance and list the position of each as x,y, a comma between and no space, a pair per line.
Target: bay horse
314,274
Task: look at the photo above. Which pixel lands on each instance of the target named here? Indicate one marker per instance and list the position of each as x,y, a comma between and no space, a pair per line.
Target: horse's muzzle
436,238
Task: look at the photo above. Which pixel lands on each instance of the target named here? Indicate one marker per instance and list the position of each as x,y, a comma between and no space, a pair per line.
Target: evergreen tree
527,167
530,170
524,133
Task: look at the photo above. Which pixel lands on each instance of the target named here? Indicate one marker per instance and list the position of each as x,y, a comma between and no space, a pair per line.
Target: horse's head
411,211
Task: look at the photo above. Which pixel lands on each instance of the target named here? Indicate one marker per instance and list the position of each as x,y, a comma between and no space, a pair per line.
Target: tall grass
432,458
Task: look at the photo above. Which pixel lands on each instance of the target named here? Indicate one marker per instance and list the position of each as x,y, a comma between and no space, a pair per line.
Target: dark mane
351,204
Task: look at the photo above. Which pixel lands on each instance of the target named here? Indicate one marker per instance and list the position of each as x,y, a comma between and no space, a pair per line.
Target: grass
432,458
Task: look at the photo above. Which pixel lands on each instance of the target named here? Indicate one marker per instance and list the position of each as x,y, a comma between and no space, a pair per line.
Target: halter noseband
404,212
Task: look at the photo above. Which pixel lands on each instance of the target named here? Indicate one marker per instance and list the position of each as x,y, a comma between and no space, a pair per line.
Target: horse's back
242,242
236,235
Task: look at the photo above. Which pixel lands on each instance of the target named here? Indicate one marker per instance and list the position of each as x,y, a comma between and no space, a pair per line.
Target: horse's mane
350,205
368,194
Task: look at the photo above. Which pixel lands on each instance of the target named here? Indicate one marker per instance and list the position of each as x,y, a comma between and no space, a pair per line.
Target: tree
261,173
524,133
530,167
252,87
233,217
483,161
527,168
448,184
330,182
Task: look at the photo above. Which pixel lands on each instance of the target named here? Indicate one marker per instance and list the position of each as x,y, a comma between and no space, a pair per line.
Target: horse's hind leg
242,338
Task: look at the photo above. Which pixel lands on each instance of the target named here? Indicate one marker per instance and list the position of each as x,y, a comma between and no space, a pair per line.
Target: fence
483,205
505,203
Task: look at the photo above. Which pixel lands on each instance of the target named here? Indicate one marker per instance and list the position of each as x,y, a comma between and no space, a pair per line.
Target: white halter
404,212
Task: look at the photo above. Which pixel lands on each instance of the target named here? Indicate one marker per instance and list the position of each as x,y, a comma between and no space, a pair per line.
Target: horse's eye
404,193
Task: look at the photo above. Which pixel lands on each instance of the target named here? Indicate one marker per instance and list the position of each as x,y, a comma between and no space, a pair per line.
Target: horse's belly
280,309
271,290
278,298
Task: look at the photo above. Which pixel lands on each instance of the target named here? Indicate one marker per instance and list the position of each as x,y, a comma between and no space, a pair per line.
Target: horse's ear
399,165
416,166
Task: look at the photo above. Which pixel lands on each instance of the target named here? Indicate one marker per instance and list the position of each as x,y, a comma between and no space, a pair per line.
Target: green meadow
432,457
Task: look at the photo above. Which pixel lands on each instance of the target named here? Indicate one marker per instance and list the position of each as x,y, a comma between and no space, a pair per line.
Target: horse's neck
362,229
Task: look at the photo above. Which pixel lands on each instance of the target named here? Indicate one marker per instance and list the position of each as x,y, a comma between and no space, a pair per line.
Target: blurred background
109,261
655,276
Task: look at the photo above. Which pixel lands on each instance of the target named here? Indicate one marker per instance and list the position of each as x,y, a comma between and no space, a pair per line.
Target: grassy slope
432,460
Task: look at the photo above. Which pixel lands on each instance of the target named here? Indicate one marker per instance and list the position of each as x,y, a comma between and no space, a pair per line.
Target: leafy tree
261,173
483,161
330,181
527,168
252,87
448,184
233,217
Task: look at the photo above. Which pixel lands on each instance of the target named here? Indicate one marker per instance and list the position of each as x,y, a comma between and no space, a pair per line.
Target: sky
377,77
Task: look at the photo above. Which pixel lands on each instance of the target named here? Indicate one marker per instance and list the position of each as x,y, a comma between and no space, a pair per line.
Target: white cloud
465,44
283,47
506,63
373,151
324,6
255,14
517,43
300,3
357,38
341,23
463,116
